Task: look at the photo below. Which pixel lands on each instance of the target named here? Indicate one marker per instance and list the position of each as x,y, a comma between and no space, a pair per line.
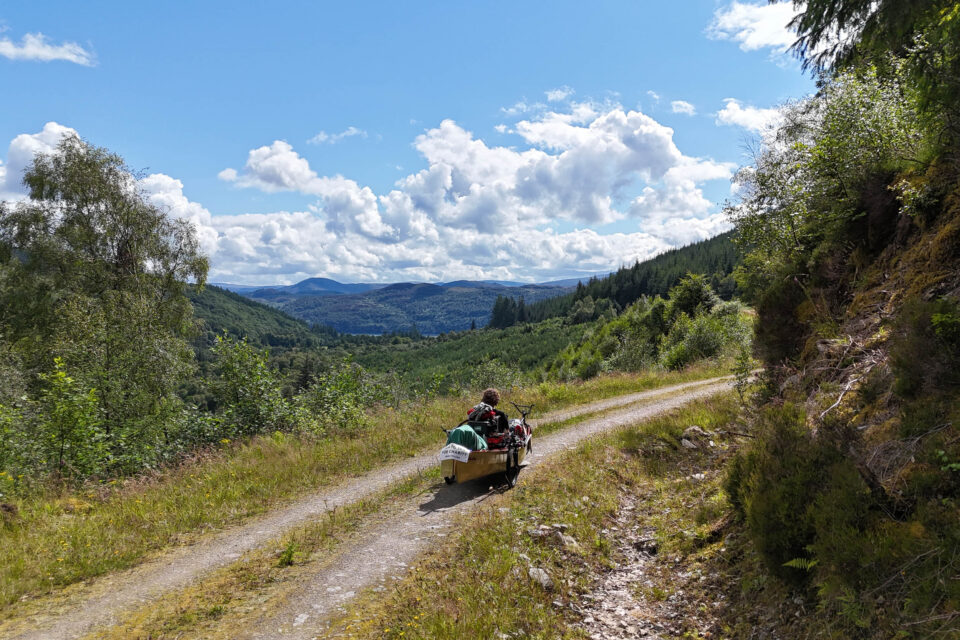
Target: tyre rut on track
385,552
104,602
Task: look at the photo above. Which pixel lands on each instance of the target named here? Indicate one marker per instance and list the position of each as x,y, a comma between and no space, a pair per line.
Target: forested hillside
480,356
850,487
431,308
222,311
715,258
692,323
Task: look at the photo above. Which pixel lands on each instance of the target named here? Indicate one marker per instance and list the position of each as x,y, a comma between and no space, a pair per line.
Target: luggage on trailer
466,436
503,448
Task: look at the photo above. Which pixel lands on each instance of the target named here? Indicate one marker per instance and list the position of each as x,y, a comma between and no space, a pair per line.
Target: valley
270,388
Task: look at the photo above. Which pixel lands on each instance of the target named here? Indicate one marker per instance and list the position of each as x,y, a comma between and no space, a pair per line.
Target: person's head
491,396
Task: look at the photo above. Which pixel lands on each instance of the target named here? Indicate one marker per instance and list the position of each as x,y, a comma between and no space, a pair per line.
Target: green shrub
635,353
692,295
248,390
925,349
780,334
9,439
707,335
337,400
841,514
72,439
589,366
493,373
773,483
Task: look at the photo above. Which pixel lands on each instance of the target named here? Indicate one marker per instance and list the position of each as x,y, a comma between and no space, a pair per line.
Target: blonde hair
491,396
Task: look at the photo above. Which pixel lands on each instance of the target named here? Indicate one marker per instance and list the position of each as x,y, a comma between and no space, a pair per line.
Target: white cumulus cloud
20,154
755,25
332,138
750,118
682,106
36,46
475,210
278,167
167,193
559,94
484,211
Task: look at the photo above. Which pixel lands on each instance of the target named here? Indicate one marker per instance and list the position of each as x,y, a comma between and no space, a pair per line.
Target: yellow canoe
479,464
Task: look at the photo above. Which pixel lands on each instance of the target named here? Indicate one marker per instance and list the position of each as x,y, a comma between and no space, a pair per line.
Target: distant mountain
327,286
479,284
308,287
431,308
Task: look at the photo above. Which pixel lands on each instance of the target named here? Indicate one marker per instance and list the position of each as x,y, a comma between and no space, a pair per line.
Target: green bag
465,436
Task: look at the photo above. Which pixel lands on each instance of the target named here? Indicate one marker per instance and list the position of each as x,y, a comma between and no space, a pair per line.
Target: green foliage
781,334
923,35
742,368
716,257
660,333
493,373
70,434
248,390
772,484
823,182
10,441
948,463
93,277
508,312
455,356
60,432
287,556
806,564
816,521
337,400
691,340
817,203
833,212
692,296
224,311
587,309
925,349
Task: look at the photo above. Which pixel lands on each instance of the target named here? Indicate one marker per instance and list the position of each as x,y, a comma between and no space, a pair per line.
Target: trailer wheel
513,469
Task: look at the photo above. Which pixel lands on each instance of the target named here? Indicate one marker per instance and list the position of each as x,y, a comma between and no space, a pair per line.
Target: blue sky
408,141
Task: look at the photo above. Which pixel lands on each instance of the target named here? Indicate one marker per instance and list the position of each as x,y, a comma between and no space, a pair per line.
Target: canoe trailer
459,464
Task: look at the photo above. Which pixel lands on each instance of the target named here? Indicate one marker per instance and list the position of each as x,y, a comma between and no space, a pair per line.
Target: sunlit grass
59,538
213,607
477,584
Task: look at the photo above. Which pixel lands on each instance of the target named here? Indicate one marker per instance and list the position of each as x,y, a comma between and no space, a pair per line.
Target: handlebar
524,409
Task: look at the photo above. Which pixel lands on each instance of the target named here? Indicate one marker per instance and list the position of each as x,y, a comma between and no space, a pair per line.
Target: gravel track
379,555
385,552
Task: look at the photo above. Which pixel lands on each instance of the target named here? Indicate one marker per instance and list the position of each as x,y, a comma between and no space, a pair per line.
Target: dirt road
380,553
385,552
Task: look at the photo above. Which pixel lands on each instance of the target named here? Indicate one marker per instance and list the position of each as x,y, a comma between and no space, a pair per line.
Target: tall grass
60,536
478,585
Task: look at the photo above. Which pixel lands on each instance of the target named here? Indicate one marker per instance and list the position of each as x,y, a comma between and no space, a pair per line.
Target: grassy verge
221,606
479,584
207,608
59,539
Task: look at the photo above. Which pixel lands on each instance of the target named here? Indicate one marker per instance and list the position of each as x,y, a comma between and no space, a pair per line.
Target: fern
804,564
